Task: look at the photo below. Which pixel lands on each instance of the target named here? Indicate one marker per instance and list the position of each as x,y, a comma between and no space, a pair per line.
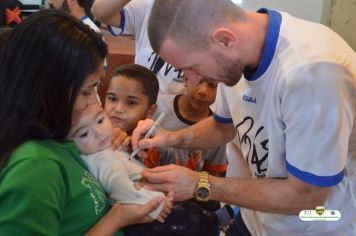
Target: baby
114,169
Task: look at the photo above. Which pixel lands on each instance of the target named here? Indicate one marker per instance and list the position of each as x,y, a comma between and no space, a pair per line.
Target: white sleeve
222,113
113,175
132,17
318,109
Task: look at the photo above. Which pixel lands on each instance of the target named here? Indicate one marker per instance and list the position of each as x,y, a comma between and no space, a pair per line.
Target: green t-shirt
46,190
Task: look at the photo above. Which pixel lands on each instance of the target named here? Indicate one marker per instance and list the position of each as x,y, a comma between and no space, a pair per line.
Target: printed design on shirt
96,193
254,145
249,99
193,159
156,64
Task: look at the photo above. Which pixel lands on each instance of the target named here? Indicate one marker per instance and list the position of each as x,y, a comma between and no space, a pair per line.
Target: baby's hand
167,208
121,140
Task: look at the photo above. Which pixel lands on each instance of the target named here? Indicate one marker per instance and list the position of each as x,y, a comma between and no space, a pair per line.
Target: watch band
202,190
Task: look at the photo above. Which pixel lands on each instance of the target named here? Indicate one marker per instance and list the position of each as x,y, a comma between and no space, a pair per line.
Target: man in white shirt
288,93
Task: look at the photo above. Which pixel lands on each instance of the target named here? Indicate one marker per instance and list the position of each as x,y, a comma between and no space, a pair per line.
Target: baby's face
126,103
93,130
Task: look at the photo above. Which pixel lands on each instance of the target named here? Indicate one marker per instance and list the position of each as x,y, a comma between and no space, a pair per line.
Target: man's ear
224,38
151,110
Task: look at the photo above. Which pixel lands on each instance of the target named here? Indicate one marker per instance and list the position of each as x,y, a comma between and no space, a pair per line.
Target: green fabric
46,190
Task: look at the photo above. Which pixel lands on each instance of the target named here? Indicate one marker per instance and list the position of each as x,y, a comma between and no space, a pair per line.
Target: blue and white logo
249,99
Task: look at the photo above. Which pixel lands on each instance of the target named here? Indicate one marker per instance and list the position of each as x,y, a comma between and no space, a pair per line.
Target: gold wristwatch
202,190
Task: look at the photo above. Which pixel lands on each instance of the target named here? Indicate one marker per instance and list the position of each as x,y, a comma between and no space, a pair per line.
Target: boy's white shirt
135,19
117,173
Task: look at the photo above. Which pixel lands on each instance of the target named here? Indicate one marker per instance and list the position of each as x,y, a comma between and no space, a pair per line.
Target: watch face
203,192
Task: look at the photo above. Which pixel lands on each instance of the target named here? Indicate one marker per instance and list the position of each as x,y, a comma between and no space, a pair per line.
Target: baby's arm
112,172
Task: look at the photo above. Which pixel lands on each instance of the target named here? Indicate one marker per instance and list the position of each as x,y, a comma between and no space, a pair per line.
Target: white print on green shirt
96,192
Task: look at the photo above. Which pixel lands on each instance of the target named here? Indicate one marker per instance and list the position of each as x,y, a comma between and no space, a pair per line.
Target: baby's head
131,96
92,131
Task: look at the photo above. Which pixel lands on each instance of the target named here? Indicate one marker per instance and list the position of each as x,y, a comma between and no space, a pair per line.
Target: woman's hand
167,208
135,214
122,215
121,140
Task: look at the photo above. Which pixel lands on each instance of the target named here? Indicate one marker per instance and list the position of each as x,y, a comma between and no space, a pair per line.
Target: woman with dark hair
4,35
49,69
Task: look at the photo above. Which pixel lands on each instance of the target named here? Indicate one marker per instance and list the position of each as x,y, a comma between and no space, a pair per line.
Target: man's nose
193,76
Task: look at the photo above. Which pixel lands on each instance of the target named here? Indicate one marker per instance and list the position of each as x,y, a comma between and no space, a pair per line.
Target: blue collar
274,25
83,18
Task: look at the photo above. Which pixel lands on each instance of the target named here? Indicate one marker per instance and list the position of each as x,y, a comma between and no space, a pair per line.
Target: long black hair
42,68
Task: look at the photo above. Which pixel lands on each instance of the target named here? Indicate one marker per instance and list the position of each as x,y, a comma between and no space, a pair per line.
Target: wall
340,15
343,20
32,2
315,10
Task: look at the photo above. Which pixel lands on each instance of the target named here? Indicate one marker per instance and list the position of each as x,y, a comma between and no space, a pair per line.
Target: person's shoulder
44,157
41,149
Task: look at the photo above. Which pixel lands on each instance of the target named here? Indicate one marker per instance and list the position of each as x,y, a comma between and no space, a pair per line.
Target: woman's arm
122,215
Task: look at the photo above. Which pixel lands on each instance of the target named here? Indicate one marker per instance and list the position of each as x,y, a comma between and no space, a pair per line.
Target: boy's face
126,103
202,95
93,130
59,5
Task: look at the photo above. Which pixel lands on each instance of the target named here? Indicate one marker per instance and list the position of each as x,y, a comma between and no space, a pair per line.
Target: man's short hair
189,22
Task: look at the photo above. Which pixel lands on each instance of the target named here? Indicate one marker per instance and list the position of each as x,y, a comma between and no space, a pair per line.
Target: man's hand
172,178
160,137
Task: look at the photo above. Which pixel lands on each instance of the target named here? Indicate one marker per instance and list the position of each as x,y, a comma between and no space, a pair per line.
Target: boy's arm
108,11
215,161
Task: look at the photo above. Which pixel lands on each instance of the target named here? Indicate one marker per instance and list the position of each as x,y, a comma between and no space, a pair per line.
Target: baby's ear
151,110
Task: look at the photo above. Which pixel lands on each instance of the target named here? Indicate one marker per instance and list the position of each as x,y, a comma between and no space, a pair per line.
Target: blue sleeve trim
222,120
121,25
112,31
122,20
83,18
321,181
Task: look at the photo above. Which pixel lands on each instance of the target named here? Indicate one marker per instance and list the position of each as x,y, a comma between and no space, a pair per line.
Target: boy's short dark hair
142,75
